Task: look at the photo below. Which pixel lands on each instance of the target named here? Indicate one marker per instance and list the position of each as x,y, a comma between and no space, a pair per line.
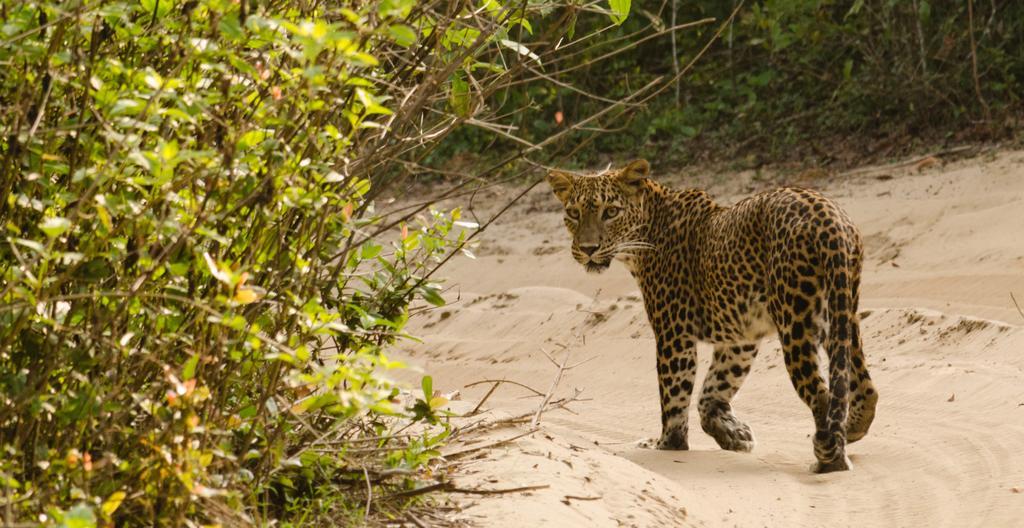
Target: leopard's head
604,213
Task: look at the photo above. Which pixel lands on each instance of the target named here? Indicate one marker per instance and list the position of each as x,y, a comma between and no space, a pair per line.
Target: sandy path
945,344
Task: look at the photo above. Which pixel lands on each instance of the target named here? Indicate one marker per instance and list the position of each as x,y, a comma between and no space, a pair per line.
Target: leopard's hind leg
797,310
729,368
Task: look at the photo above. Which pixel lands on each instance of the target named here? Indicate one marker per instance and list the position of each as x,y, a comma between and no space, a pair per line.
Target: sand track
944,343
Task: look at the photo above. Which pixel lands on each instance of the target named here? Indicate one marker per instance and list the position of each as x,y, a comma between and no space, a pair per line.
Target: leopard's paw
839,464
730,433
671,440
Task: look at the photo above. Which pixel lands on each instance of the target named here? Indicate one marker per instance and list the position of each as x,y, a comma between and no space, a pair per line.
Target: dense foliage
197,284
826,81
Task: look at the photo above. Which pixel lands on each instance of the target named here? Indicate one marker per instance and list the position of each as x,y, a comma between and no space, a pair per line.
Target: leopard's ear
631,177
561,184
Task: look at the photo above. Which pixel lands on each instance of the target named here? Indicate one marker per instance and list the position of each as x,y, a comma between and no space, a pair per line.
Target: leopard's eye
611,212
573,213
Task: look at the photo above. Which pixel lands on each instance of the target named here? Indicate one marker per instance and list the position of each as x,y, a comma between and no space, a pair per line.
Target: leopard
784,262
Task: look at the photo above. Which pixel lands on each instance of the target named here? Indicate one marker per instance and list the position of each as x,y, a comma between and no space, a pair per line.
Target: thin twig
560,403
554,385
484,399
489,445
910,162
478,491
419,491
369,495
577,497
974,61
516,383
413,519
1014,299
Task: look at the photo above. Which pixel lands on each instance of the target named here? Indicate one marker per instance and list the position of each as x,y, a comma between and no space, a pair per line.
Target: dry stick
560,403
675,57
420,491
617,51
499,491
490,444
554,385
974,61
488,395
1014,299
450,487
8,511
411,518
577,497
369,495
516,383
908,163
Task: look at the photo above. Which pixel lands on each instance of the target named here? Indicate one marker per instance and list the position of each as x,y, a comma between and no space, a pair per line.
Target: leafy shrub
197,286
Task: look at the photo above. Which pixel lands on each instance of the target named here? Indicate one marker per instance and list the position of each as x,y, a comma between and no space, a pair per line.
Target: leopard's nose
589,249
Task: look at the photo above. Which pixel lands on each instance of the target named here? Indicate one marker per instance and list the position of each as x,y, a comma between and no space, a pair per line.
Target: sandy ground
944,341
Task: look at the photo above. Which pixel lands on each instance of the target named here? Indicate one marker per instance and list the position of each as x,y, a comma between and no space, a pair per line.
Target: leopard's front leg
677,367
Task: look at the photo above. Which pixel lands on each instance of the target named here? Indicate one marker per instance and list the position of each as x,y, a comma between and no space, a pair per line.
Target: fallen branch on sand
578,498
560,403
547,403
972,149
493,388
562,368
451,488
489,445
1014,299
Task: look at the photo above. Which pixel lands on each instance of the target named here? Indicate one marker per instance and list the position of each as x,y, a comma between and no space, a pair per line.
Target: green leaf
250,139
459,98
55,226
620,10
395,8
402,34
432,296
81,516
427,384
189,370
230,27
854,9
526,25
169,150
127,107
370,250
371,104
31,244
360,187
162,7
924,10
112,503
178,269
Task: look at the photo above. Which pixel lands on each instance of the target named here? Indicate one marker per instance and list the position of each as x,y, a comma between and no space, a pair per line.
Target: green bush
196,286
